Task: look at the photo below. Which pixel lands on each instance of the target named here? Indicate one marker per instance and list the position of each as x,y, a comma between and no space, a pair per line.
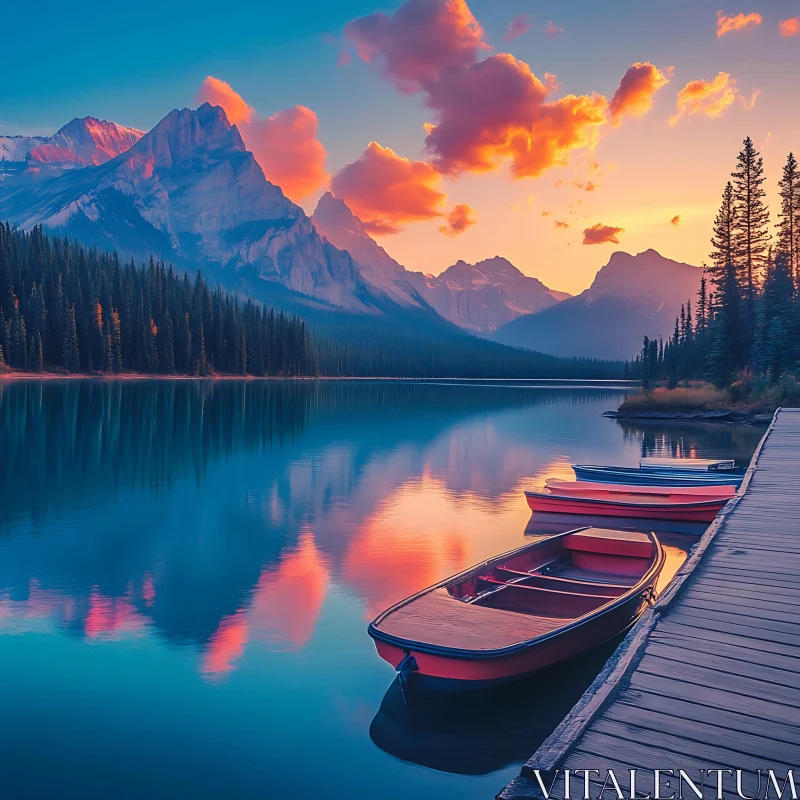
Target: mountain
630,297
486,295
82,142
344,230
478,297
189,192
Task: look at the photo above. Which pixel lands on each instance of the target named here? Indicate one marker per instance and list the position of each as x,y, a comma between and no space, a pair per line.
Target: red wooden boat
556,486
686,508
522,611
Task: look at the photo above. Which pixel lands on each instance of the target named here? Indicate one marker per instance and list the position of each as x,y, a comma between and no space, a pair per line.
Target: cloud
676,220
600,234
345,57
636,91
220,93
553,30
748,103
741,22
413,46
496,109
709,98
546,213
789,27
586,187
285,145
517,27
387,191
458,220
560,224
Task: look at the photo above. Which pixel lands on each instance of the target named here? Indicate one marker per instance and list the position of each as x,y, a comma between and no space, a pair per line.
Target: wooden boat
587,488
651,476
522,611
660,463
684,508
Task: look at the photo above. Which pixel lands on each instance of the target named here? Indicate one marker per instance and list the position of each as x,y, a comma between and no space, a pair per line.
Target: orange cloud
496,109
546,213
220,93
789,27
560,224
285,145
553,30
709,98
419,41
458,220
386,190
676,220
600,234
517,27
287,148
636,91
741,22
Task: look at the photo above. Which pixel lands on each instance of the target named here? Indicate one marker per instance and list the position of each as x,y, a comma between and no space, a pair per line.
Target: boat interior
529,592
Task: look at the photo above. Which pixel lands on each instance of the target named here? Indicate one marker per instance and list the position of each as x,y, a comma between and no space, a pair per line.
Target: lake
187,570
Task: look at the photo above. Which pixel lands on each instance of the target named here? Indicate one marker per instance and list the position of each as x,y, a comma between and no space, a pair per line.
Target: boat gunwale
697,504
460,653
736,472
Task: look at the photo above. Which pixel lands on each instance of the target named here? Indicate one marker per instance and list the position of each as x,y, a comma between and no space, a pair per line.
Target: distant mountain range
189,192
630,297
82,142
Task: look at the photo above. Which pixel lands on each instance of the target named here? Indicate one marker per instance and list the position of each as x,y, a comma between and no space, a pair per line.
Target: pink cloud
344,58
387,191
739,22
600,234
554,30
517,27
419,41
285,145
458,220
789,27
496,109
634,96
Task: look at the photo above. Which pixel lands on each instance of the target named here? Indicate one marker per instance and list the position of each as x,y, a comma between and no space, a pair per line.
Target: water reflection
484,731
219,546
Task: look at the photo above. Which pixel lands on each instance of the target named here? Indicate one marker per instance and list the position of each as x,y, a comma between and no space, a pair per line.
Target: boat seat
631,544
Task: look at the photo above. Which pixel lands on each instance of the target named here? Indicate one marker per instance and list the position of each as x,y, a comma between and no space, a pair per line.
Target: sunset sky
521,100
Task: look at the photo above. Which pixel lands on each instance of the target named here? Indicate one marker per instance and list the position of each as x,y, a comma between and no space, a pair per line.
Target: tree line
67,308
745,324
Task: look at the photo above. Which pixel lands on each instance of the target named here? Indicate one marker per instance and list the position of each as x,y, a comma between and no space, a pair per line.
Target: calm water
187,570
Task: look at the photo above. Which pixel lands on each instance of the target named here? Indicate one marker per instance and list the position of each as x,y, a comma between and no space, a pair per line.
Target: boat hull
445,673
638,477
682,512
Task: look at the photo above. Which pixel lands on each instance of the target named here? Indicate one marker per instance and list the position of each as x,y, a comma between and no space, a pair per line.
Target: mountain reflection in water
200,560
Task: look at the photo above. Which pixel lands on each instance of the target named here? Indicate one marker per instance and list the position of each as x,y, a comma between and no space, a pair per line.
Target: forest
743,331
68,308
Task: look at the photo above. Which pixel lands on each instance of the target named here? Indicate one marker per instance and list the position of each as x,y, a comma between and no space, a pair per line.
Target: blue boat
665,472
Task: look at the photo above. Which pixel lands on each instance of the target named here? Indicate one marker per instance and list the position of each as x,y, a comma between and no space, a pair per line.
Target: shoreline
724,415
134,376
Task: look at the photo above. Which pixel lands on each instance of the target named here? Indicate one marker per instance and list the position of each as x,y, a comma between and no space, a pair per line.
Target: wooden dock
709,678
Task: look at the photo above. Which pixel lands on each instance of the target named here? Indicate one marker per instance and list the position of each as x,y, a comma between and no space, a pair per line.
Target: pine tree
722,240
789,216
3,365
70,355
751,222
725,355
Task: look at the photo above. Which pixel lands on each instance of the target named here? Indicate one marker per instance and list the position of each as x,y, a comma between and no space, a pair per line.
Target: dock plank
712,680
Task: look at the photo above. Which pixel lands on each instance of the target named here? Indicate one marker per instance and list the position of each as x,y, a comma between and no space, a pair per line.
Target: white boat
683,464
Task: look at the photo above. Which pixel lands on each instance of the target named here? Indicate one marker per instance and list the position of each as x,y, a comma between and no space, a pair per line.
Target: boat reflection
480,732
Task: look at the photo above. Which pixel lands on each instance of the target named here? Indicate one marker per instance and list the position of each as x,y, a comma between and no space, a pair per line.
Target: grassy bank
746,394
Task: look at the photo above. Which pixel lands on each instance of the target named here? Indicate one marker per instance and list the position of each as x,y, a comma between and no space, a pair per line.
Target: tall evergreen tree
789,216
722,239
751,221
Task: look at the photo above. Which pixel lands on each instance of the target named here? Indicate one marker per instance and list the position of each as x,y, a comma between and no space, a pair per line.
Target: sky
500,127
